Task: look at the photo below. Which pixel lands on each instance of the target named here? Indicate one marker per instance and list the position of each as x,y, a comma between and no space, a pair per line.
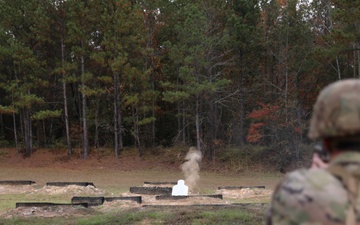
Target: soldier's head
336,114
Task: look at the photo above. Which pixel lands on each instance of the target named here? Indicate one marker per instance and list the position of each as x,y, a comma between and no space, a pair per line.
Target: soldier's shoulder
307,185
308,178
304,173
307,194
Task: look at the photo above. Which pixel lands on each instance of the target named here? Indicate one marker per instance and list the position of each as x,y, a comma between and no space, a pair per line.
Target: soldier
326,193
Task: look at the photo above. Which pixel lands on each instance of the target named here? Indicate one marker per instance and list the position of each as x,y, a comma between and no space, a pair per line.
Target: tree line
208,73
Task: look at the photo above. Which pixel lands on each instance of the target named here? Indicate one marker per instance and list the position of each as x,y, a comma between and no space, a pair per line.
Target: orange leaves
268,120
254,132
266,114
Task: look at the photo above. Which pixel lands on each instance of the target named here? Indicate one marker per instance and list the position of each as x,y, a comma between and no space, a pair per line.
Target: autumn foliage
263,116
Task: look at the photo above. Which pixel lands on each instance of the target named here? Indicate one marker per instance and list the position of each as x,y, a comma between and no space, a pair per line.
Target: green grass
128,217
36,221
251,215
224,216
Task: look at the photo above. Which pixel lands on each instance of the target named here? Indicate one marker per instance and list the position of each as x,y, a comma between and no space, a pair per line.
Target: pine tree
26,72
200,53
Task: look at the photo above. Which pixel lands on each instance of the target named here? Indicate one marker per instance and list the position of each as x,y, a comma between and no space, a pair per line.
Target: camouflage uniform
313,196
329,195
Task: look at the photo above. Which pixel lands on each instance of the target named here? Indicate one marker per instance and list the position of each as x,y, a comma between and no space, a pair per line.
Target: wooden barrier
137,199
64,184
160,183
46,204
151,190
91,201
16,182
239,187
170,197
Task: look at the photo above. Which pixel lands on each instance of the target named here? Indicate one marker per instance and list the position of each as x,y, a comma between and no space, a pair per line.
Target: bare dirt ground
112,177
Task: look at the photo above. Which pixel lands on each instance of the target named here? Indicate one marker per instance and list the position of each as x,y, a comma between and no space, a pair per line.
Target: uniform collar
349,157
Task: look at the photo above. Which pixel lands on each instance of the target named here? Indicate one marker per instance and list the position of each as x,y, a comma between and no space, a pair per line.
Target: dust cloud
191,167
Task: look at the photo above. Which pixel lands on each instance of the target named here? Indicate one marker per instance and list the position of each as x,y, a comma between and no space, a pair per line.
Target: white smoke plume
191,167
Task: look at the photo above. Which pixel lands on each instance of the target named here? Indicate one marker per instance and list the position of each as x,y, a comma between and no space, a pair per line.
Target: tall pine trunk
117,116
66,114
197,122
27,131
15,133
96,136
136,129
241,100
153,124
84,109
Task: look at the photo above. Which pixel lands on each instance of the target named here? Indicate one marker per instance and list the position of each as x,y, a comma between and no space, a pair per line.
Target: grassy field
250,216
115,178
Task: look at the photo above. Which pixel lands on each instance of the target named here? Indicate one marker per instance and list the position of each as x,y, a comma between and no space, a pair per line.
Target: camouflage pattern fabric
314,196
337,110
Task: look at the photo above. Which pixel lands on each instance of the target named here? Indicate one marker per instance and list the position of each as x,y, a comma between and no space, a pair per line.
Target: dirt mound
117,205
48,211
72,190
52,190
192,199
245,193
17,189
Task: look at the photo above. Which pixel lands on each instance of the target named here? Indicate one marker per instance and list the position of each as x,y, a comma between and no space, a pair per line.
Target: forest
215,74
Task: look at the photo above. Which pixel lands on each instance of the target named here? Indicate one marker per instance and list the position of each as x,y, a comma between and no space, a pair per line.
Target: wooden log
17,182
170,197
131,198
160,183
151,190
46,204
240,205
91,201
64,184
238,187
